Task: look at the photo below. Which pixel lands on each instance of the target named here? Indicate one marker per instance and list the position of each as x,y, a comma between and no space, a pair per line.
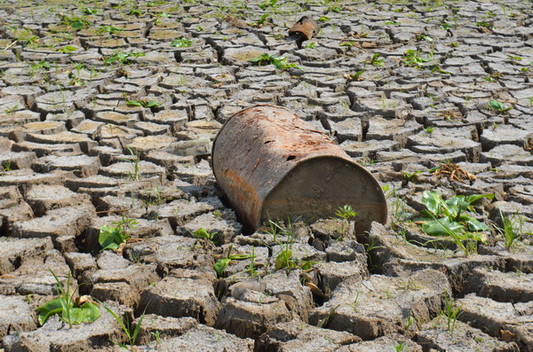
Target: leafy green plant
497,106
285,260
451,313
67,49
122,58
399,347
323,19
221,264
135,12
413,58
181,43
345,214
40,65
88,11
511,230
75,22
280,62
109,29
125,325
446,218
111,237
268,3
430,129
73,311
203,234
376,61
143,103
263,19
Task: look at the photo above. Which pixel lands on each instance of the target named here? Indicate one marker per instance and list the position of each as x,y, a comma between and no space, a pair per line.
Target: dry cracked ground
108,110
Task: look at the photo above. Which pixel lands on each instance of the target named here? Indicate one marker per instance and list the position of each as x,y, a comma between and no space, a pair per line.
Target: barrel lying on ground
271,164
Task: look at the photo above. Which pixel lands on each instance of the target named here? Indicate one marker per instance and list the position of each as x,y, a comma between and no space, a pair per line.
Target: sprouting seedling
413,58
376,61
451,313
345,213
111,237
181,43
221,264
109,29
73,310
280,62
203,234
144,103
126,327
497,106
512,229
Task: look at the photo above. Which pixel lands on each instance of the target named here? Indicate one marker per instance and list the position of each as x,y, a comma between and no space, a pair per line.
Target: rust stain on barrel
271,163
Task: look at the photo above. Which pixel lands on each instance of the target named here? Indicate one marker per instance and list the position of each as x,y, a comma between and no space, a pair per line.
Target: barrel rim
358,167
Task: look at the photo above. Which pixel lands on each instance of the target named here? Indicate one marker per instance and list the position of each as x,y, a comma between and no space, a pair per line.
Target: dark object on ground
272,165
305,29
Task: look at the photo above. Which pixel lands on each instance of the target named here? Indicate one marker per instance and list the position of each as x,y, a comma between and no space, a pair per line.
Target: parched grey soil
108,111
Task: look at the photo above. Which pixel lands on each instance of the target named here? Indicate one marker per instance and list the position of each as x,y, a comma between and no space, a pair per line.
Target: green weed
125,325
280,62
73,311
446,218
111,237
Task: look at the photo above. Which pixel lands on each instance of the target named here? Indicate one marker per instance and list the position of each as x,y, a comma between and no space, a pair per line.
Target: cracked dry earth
403,86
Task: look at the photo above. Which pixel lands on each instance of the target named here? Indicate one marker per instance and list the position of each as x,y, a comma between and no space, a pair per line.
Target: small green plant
399,347
497,106
446,218
268,3
135,174
24,36
181,43
311,45
411,176
88,11
355,303
73,311
280,62
45,65
511,230
135,12
75,22
111,237
284,259
221,264
451,313
430,129
263,19
125,325
203,234
355,76
67,49
109,29
122,58
375,60
144,103
6,166
345,214
277,228
414,59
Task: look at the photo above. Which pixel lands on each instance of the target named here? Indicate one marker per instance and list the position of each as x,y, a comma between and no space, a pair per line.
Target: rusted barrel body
271,164
306,28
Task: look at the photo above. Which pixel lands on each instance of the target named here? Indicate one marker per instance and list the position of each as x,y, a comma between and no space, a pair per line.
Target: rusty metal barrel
271,164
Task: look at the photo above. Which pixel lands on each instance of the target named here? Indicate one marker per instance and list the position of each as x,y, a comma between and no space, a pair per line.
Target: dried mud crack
108,111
